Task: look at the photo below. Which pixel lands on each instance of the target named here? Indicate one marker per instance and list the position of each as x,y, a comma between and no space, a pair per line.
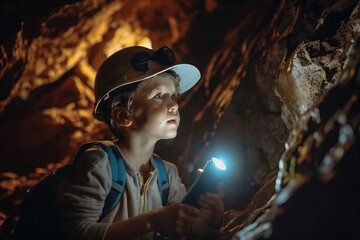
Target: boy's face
155,111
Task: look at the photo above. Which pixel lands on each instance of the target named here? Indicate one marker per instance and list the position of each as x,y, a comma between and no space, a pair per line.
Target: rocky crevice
263,69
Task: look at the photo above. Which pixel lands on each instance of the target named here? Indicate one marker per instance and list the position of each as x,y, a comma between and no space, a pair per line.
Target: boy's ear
120,117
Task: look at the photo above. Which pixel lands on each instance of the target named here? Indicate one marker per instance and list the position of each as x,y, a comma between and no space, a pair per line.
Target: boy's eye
174,97
158,96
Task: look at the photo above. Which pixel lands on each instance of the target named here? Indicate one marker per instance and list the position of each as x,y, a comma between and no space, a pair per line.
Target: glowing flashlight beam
219,164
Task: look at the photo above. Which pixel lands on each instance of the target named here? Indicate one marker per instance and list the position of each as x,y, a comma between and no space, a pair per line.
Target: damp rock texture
320,155
315,198
264,65
317,63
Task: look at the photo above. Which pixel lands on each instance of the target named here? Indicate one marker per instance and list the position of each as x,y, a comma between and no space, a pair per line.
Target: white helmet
133,65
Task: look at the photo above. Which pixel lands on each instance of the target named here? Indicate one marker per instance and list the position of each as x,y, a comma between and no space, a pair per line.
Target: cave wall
316,83
262,68
317,195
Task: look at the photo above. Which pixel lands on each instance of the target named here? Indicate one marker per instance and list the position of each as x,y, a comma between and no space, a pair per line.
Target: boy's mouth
172,121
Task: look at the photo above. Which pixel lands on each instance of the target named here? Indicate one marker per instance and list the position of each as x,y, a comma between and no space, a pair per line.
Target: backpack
37,217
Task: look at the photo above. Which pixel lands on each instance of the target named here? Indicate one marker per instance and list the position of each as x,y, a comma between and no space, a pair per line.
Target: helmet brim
189,76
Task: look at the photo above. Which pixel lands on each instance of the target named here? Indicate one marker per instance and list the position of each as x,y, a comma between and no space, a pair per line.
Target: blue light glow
219,164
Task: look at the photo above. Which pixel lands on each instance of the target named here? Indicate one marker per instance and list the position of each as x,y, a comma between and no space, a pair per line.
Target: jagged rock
309,200
315,66
47,71
318,170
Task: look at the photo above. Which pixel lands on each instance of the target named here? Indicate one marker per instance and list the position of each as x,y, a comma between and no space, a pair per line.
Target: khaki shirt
81,195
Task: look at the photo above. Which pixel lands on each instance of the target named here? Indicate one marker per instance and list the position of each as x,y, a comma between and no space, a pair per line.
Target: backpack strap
163,184
118,173
82,149
162,179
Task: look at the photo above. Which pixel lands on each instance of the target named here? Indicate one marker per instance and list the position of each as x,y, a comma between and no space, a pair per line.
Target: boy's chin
170,136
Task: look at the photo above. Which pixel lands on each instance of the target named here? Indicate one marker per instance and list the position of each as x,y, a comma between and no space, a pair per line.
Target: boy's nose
173,108
172,105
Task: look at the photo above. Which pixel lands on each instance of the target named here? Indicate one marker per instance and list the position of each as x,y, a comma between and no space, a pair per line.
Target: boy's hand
176,217
214,206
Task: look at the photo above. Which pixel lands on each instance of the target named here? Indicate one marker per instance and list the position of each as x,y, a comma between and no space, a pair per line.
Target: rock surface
317,63
244,53
318,170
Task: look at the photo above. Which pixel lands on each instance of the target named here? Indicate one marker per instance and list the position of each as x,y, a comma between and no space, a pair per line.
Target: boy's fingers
213,195
191,214
190,219
191,210
204,204
210,201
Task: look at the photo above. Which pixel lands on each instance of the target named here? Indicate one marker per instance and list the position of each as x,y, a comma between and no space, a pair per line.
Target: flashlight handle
206,182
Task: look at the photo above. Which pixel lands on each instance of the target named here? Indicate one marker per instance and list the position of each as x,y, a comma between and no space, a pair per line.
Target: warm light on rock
269,69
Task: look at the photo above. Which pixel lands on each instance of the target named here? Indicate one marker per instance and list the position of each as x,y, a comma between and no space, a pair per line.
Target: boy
135,91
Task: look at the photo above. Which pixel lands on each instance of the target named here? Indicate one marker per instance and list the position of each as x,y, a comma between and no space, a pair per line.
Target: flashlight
214,171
